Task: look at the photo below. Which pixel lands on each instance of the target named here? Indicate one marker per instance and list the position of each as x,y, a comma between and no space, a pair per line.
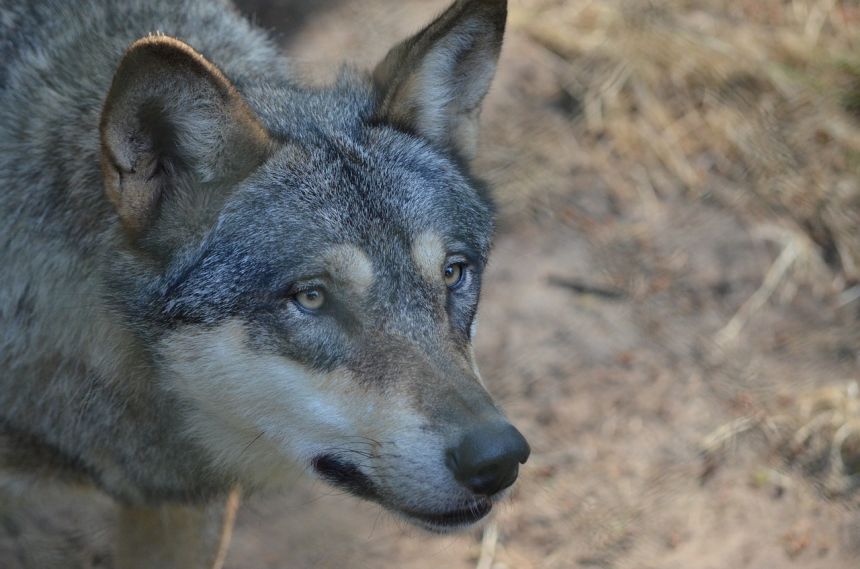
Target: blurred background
671,311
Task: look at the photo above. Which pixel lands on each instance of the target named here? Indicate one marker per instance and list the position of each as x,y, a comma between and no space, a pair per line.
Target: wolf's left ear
173,126
434,82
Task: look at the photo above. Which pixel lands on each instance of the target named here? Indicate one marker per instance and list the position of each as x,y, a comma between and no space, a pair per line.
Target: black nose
487,459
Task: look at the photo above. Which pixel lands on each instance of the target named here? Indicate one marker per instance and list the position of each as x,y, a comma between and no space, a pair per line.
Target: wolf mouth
453,519
348,476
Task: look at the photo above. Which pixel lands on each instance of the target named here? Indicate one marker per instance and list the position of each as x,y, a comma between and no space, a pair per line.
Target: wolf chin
214,276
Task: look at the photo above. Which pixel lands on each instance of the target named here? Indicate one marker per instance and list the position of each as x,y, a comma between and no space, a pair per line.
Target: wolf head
308,264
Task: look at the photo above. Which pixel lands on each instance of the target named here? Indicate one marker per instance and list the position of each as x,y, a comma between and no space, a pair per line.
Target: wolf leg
174,536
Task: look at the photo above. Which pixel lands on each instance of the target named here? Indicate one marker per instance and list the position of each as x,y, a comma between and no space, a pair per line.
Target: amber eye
311,299
453,274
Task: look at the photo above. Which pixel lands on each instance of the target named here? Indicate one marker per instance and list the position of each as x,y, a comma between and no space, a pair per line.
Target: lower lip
455,518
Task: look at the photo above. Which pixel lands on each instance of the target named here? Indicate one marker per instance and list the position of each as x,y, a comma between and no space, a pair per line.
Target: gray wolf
214,276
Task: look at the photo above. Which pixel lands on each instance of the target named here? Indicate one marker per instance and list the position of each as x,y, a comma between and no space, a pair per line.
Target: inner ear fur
433,83
171,118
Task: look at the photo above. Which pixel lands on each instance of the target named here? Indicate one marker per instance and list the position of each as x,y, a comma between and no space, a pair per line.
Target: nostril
495,480
488,457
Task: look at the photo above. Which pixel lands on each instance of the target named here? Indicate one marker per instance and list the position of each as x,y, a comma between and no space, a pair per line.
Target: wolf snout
487,458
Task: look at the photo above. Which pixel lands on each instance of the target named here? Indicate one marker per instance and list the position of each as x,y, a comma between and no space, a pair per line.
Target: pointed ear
171,121
434,82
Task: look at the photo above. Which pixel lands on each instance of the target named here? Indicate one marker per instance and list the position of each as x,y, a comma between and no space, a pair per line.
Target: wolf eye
311,299
453,274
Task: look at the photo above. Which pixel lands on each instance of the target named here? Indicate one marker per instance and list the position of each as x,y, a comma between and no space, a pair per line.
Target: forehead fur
376,189
428,251
350,265
335,149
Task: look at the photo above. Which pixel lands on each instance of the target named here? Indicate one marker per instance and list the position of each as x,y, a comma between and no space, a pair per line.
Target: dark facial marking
344,474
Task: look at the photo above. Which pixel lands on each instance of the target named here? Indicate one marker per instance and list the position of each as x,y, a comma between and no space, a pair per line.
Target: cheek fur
261,414
235,395
463,308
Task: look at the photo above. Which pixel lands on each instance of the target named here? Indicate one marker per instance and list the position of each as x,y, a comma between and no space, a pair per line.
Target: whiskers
255,439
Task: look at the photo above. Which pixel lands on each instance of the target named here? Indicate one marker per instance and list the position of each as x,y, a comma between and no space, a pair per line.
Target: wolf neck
84,387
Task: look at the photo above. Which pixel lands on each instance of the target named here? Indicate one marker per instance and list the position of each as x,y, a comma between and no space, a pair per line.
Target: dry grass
753,103
827,441
818,434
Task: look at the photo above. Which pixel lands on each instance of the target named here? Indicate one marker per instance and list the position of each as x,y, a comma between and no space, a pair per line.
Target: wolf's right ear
171,120
433,83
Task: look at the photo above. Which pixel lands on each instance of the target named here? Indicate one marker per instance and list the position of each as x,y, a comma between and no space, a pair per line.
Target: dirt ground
684,368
